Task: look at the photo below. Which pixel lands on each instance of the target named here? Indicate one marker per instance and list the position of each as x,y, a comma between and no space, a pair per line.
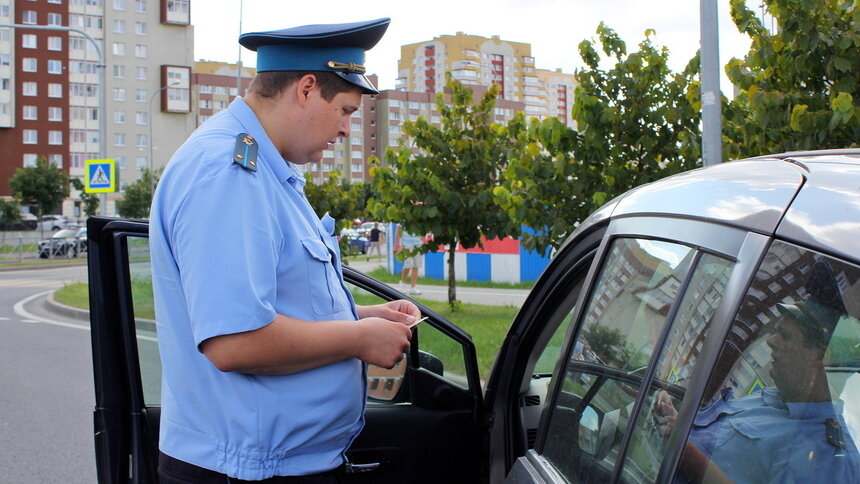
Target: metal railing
24,246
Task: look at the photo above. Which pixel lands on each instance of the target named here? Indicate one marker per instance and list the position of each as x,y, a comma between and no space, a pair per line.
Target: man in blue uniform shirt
262,345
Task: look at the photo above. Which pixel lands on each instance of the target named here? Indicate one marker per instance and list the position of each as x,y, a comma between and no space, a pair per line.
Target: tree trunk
452,285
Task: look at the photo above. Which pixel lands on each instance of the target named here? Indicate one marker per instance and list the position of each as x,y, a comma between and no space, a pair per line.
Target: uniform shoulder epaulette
245,154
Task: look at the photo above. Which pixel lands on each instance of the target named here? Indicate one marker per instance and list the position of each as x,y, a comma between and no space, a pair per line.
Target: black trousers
175,471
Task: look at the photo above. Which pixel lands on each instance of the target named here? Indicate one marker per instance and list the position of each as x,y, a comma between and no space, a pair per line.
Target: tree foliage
343,201
43,186
445,186
138,196
10,212
798,88
636,122
90,200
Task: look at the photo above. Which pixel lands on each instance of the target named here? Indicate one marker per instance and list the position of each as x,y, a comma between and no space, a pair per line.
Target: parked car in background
28,221
358,241
64,243
53,222
702,328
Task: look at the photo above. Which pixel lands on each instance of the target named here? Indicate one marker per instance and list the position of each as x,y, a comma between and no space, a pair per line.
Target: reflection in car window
144,320
624,318
675,365
781,405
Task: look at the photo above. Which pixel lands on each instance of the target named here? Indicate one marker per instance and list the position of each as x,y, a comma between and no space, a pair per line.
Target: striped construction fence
500,260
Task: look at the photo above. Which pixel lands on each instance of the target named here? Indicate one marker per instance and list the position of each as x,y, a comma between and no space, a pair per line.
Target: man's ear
304,86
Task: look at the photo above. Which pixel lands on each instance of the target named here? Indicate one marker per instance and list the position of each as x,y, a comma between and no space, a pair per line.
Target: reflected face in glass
797,361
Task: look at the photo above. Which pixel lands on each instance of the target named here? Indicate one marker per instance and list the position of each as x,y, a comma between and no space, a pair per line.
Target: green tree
90,200
10,212
636,122
340,199
798,88
43,186
445,186
138,196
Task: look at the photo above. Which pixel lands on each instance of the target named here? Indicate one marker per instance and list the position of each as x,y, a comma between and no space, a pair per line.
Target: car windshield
63,234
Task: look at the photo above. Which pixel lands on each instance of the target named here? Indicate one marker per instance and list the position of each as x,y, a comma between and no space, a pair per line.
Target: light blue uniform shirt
232,248
759,438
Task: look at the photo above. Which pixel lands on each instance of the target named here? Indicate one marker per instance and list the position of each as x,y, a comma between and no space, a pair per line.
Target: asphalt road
46,383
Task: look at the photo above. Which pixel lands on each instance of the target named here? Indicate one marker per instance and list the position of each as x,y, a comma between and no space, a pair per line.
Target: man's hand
664,413
401,311
382,342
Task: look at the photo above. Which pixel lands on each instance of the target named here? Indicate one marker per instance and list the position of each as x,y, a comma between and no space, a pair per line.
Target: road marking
32,318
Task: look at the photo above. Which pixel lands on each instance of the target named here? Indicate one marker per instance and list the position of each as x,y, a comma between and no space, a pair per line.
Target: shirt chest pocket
326,291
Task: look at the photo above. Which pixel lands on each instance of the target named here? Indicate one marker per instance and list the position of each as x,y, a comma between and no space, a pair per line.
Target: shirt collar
284,170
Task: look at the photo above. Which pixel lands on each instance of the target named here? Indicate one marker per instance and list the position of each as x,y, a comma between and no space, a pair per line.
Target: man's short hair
271,83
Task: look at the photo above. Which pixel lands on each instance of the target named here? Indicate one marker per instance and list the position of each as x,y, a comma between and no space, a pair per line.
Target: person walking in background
377,237
411,265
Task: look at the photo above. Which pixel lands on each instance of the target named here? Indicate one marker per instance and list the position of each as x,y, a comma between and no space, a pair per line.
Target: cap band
306,57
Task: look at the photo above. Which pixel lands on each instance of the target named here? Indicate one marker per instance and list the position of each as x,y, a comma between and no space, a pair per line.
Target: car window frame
738,245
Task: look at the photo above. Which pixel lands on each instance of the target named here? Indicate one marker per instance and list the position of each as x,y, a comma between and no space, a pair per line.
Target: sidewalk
477,295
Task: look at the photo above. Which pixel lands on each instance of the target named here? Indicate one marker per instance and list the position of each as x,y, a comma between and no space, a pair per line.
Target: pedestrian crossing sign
100,176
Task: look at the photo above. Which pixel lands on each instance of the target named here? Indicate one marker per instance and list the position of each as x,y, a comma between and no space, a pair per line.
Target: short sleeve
225,242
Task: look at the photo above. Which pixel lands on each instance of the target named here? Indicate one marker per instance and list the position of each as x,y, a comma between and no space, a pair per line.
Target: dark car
27,221
69,242
356,240
702,327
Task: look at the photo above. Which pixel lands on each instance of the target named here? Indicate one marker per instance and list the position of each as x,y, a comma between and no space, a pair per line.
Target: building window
141,162
357,154
175,12
78,43
55,137
55,67
55,43
30,160
140,51
119,117
142,140
140,6
4,10
28,41
55,90
55,113
119,139
119,94
55,19
119,4
119,26
119,71
29,17
178,95
120,163
205,89
140,95
118,48
29,64
142,118
31,136
140,28
30,113
140,73
30,88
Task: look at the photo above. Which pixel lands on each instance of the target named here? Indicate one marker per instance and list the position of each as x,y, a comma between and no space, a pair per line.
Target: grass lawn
488,325
383,275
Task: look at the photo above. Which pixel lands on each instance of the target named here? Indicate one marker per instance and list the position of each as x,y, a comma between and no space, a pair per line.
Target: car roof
810,197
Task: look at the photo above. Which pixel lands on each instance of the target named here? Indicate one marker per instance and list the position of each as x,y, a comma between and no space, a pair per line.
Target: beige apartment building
50,87
481,61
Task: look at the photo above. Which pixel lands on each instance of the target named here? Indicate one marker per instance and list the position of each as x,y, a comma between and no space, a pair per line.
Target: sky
554,28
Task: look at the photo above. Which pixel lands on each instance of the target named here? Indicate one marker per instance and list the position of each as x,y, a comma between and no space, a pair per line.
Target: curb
52,305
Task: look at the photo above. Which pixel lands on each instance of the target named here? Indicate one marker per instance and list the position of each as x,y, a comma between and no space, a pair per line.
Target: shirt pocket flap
317,249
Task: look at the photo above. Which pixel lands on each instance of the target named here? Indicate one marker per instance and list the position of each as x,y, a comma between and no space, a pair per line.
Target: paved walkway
476,295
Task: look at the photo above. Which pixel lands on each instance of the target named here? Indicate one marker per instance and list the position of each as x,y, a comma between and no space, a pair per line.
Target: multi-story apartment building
52,104
481,61
215,85
377,126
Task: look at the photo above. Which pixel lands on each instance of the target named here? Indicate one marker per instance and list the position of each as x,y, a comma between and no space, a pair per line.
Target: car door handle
359,468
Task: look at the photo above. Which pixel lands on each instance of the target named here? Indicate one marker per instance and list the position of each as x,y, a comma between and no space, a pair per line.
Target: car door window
140,278
623,320
674,366
782,402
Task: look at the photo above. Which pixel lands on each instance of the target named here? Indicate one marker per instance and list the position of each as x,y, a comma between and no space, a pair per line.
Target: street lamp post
151,162
102,88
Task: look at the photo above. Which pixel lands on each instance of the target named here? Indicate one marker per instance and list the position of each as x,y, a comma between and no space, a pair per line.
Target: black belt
171,470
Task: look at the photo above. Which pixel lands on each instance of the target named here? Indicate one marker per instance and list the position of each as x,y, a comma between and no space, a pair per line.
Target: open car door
424,418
